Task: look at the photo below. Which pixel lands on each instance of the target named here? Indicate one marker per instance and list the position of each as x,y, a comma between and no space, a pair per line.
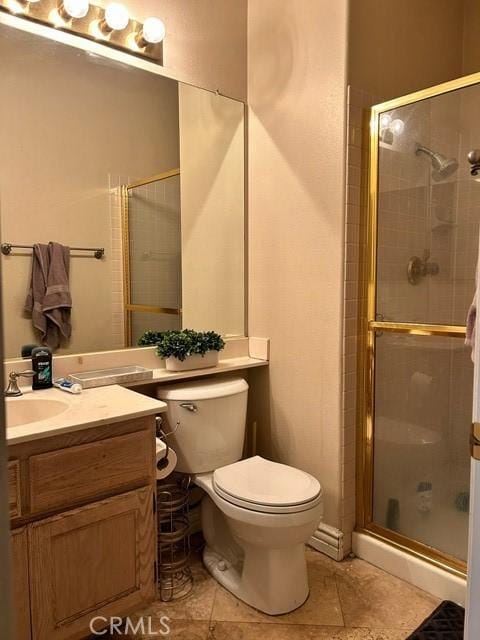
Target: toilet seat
260,485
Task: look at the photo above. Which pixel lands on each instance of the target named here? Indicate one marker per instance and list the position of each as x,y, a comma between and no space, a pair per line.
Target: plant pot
196,361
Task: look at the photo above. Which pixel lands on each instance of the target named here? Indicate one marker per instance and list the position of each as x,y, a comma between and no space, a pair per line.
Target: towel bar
6,248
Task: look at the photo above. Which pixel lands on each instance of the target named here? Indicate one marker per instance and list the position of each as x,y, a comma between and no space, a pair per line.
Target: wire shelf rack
175,578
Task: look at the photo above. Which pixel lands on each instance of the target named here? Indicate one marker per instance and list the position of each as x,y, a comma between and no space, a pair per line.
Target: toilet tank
211,418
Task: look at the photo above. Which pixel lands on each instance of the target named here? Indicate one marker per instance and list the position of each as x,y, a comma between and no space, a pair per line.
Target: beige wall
471,50
421,43
205,43
71,125
297,78
212,201
396,49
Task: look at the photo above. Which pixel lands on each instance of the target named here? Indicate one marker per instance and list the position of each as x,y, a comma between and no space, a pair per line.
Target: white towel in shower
472,315
471,321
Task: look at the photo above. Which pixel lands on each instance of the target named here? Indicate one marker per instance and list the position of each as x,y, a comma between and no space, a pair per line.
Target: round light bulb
116,16
397,126
16,7
153,30
76,8
385,120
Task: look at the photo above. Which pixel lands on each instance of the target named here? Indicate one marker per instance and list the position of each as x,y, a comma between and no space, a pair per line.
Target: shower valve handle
474,159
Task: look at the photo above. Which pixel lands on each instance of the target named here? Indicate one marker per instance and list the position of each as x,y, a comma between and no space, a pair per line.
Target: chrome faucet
13,389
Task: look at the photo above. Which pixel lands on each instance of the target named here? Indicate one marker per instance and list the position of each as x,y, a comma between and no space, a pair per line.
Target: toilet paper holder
160,433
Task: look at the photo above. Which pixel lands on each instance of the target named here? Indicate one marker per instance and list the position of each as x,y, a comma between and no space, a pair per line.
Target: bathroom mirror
97,154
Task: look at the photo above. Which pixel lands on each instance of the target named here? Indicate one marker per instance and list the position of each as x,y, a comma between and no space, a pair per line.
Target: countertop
224,366
91,408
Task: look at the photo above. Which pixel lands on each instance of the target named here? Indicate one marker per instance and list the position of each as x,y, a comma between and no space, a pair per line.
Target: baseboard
328,540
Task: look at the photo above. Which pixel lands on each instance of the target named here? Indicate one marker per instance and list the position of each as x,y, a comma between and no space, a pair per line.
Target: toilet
256,514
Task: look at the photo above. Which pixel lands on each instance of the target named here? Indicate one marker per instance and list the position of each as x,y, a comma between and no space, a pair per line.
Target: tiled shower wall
155,255
417,213
355,219
118,336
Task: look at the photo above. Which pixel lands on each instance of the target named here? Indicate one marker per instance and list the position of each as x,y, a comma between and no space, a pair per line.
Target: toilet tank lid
202,389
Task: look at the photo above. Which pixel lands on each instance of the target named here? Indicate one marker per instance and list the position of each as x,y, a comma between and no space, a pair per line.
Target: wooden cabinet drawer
14,500
67,476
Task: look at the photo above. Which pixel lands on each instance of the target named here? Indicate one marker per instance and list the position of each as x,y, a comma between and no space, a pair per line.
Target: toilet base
274,582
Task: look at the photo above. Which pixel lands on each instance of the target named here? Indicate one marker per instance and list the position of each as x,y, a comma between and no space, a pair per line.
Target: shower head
442,167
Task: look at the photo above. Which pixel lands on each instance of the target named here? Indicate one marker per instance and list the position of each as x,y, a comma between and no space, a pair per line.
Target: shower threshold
423,574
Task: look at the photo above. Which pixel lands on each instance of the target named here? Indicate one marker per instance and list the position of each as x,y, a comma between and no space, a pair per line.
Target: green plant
181,344
149,338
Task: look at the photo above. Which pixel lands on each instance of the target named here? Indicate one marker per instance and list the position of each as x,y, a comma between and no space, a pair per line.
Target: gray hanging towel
38,287
57,303
49,300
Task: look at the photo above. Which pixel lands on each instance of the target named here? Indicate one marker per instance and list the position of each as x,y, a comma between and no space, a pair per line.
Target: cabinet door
97,560
20,586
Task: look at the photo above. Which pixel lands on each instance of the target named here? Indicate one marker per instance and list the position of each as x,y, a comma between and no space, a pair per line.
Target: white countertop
91,408
223,366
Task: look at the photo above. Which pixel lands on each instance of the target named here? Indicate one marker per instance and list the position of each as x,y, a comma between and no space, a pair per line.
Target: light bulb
116,16
75,8
153,30
385,120
397,126
19,6
14,6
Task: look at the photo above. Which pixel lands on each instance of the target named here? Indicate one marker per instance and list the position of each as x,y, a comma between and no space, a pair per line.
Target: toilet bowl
256,546
256,514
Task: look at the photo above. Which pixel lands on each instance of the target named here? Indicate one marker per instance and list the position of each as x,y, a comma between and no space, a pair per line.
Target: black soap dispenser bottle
42,365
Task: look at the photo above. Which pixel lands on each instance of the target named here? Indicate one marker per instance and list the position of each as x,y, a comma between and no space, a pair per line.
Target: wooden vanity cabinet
84,542
20,583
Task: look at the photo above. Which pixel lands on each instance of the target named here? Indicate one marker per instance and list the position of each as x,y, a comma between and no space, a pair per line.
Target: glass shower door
152,248
425,210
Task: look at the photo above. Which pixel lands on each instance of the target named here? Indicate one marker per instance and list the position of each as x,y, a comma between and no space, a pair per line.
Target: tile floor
350,600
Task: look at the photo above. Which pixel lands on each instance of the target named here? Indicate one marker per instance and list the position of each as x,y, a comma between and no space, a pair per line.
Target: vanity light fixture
385,120
389,128
152,32
19,6
116,18
112,25
68,10
73,9
397,126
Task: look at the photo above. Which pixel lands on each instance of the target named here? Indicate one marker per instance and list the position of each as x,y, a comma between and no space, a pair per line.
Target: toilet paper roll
421,380
165,466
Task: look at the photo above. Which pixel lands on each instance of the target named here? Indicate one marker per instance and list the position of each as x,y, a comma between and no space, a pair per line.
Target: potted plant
186,349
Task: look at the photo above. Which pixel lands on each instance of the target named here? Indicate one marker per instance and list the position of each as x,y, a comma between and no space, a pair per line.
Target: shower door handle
475,441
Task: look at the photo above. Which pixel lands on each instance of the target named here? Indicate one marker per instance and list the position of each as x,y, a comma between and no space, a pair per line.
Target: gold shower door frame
128,306
369,325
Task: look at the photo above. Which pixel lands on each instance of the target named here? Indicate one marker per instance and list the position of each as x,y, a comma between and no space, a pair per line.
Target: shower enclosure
417,375
152,255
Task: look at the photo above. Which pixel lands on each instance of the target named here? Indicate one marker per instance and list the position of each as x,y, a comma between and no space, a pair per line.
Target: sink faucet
12,389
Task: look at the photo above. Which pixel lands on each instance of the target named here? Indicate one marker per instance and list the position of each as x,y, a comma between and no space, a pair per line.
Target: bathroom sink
25,410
